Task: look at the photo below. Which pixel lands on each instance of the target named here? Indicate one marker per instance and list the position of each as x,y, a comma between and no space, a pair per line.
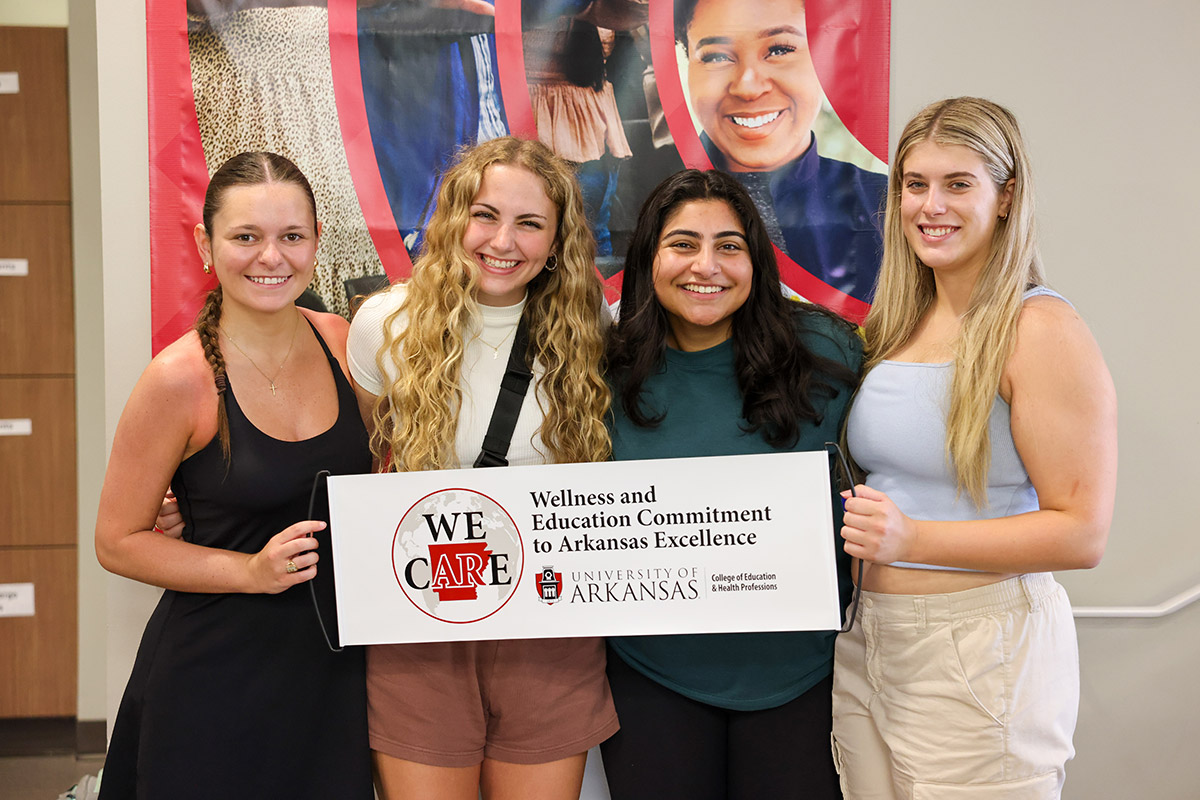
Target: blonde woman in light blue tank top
986,429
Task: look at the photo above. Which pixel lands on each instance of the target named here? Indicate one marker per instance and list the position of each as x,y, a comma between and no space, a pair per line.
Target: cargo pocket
837,764
1039,787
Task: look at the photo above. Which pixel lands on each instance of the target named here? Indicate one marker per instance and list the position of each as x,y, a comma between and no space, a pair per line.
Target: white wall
124,222
1107,102
90,441
40,13
1106,97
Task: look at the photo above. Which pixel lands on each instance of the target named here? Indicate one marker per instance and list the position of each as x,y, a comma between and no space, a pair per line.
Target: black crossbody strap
513,387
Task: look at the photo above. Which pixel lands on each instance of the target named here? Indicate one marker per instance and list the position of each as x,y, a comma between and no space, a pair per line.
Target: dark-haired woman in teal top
708,358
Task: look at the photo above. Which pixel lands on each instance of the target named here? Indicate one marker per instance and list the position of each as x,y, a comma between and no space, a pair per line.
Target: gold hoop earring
551,262
207,268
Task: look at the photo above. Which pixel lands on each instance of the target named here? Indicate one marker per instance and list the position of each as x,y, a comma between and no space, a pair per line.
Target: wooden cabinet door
38,528
38,654
35,153
37,313
37,490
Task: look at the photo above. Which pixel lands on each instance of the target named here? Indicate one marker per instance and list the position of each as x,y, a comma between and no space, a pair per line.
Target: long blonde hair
906,289
416,417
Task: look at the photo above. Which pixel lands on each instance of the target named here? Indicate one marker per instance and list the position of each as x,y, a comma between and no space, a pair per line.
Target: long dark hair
776,373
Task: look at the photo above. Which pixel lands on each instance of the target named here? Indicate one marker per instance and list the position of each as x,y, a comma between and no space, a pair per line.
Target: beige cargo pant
965,696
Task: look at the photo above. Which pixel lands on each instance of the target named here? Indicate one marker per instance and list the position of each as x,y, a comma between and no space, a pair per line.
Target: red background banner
850,46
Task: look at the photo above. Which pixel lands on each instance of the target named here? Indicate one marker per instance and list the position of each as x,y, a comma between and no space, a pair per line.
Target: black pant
670,746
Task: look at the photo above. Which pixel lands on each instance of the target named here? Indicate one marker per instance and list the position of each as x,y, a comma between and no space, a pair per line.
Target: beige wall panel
33,122
38,653
42,12
37,324
38,493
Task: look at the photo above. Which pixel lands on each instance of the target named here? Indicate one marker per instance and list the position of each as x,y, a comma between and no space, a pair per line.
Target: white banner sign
688,545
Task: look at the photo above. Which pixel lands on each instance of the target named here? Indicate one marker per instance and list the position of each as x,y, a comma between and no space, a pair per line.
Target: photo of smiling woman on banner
372,98
755,93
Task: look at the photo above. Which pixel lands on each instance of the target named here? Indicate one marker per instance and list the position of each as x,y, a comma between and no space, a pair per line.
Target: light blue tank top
897,433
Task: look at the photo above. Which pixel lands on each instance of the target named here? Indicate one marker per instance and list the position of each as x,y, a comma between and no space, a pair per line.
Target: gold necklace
286,355
496,347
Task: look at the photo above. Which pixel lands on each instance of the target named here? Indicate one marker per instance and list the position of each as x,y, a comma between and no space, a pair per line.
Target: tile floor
44,777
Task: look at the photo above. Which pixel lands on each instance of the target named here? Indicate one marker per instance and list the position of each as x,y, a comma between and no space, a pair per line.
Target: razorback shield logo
549,586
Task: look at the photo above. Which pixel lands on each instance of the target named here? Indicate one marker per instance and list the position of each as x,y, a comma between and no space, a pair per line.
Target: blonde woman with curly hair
507,240
986,425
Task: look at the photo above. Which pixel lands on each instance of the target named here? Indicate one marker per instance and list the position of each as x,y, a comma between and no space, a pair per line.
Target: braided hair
244,169
207,324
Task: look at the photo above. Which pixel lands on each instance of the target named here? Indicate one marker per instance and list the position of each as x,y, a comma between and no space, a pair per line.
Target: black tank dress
238,695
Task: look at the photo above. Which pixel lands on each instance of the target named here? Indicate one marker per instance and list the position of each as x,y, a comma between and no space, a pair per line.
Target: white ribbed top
482,371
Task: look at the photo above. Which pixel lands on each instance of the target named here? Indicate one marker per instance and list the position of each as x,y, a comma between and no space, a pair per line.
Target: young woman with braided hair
508,240
234,692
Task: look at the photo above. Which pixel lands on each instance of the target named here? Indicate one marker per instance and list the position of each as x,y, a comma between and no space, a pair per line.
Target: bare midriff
886,579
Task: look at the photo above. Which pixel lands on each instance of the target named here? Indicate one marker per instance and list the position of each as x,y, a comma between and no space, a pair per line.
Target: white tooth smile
930,231
496,263
757,122
698,289
264,281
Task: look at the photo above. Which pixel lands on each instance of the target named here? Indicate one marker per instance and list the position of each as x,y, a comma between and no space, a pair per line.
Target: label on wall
14,267
16,599
16,427
10,82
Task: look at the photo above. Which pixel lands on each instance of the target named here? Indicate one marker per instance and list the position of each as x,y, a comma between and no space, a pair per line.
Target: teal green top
702,406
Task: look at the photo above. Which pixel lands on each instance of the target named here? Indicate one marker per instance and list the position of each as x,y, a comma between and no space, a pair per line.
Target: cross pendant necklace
496,347
279,369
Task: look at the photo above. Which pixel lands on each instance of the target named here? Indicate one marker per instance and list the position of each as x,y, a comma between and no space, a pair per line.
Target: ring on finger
291,567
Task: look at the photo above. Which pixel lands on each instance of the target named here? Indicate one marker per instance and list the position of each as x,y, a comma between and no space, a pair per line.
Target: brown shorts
523,701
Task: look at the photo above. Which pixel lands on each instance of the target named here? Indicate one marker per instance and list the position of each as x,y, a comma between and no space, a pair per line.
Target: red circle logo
458,555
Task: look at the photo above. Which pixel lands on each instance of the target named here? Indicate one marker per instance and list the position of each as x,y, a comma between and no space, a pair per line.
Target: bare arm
334,330
366,402
362,343
171,414
1064,424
